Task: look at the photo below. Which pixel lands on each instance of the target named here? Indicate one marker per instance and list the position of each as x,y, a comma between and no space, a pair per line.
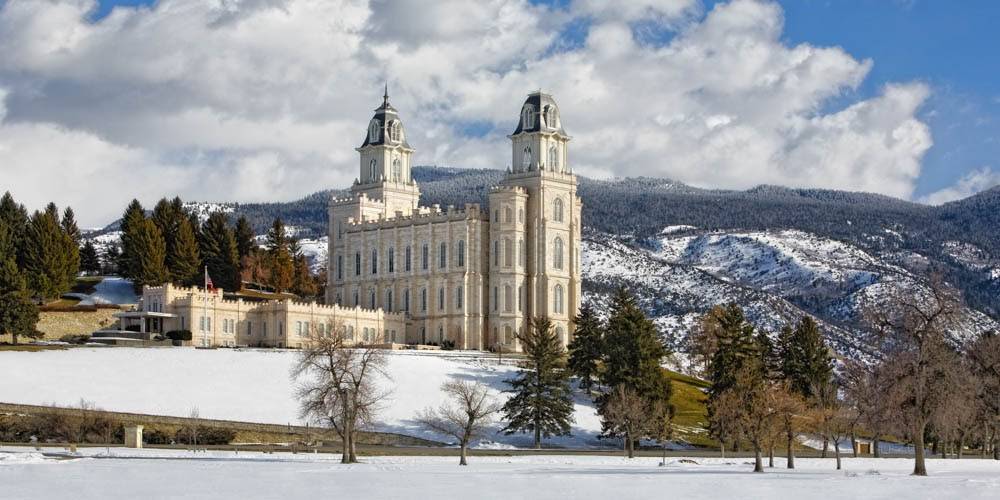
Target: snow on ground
246,475
114,290
252,385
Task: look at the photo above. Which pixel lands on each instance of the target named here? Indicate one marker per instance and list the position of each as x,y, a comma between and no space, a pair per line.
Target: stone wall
55,324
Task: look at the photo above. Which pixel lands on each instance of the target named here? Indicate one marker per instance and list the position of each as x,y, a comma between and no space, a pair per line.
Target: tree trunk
919,467
354,447
462,460
836,452
826,446
345,449
854,444
961,444
790,451
722,447
538,437
876,444
664,462
758,462
630,445
770,455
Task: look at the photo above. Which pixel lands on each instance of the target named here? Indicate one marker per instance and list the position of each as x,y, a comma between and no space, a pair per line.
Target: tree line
172,245
39,261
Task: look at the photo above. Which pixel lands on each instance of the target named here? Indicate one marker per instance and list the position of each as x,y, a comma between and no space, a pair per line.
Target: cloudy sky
250,100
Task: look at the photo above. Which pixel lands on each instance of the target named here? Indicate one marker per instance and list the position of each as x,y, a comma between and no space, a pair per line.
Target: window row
390,265
390,305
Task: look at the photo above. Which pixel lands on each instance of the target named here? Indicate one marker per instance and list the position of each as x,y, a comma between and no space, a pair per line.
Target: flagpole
204,321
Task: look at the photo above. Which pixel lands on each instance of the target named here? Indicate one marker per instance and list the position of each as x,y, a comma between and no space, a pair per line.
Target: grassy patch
30,347
61,303
691,415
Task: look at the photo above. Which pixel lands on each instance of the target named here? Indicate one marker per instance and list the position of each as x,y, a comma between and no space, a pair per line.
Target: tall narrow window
423,299
425,253
520,298
441,298
375,261
508,214
520,215
557,302
371,297
340,267
372,170
357,301
397,171
408,259
508,252
406,300
442,255
557,210
557,253
526,158
357,263
553,158
391,257
461,253
496,253
388,301
521,253
496,297
508,298
459,297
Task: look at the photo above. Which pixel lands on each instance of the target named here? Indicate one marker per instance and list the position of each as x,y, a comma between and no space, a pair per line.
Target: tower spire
385,97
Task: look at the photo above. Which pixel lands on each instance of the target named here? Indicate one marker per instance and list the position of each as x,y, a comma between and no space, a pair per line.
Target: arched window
441,298
526,158
425,253
395,131
508,298
496,298
557,210
397,170
520,215
340,267
520,298
357,263
508,252
350,332
559,334
508,214
527,116
372,170
391,257
356,298
557,299
496,253
371,296
373,131
440,333
375,261
442,255
521,253
388,300
408,258
553,158
406,300
557,253
508,335
461,253
459,297
423,299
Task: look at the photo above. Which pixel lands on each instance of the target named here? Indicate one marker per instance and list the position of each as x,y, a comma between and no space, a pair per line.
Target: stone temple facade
473,275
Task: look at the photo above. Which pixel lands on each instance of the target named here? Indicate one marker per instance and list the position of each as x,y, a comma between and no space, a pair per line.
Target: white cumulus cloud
266,99
971,183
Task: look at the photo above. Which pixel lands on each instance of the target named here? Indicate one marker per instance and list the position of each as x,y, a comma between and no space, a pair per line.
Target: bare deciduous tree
834,422
339,385
789,409
466,417
984,355
626,412
912,328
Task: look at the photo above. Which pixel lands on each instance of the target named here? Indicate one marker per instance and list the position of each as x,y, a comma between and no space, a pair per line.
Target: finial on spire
385,97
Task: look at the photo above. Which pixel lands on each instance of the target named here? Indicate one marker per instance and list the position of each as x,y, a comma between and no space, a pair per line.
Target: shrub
447,345
204,435
179,335
156,436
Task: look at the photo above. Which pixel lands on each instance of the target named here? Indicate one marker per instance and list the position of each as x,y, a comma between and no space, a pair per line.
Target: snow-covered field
26,474
252,385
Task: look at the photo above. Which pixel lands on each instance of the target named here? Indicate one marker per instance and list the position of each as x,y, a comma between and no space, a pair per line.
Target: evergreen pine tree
244,238
167,220
280,264
16,218
90,263
218,251
633,353
18,314
109,262
586,348
71,245
184,263
542,401
151,254
132,222
806,361
46,265
303,282
736,354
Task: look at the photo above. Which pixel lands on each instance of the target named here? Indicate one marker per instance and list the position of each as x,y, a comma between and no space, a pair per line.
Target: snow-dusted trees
339,386
465,417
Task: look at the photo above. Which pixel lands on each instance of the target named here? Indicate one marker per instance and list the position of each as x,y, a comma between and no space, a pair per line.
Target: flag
209,286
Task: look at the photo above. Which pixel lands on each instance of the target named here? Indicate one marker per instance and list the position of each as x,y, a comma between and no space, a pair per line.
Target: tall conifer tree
542,401
218,251
132,222
46,260
151,254
587,347
184,262
280,263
